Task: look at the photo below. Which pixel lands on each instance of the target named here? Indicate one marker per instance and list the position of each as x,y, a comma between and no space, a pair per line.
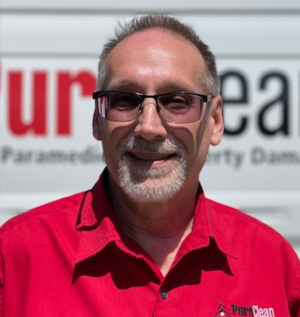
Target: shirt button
163,294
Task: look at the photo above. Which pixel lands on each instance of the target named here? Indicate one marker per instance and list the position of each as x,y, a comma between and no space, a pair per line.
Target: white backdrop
48,60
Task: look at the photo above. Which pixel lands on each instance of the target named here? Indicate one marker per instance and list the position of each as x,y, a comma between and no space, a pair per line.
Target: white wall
256,40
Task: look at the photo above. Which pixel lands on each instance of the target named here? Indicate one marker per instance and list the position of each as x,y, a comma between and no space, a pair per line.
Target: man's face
152,160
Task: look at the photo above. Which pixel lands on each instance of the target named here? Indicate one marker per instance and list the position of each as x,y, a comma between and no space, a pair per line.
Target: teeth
150,158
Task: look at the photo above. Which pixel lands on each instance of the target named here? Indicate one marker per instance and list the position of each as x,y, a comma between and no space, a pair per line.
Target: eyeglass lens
125,106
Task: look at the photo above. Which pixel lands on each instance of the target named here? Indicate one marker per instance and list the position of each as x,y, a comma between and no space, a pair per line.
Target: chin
151,194
152,187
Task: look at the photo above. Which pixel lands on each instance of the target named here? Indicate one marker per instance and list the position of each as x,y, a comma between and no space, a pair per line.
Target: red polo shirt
70,258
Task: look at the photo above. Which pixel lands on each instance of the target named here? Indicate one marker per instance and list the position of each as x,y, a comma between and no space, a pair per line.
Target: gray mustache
158,146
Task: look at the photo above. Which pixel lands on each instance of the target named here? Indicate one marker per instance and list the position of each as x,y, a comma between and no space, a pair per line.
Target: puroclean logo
236,310
222,311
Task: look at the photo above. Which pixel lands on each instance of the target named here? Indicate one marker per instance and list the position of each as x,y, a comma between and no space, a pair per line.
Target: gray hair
211,78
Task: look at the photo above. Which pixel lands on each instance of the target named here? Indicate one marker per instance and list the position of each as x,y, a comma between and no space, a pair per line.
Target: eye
177,102
124,101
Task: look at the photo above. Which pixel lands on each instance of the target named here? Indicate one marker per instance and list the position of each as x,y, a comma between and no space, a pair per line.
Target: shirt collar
209,224
96,221
99,226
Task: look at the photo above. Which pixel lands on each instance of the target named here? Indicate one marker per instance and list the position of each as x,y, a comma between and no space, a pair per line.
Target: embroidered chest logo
222,311
236,310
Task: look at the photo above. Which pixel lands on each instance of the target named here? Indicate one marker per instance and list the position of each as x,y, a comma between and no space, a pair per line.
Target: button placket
163,294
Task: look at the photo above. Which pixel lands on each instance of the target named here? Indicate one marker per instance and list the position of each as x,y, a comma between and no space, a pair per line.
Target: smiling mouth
151,158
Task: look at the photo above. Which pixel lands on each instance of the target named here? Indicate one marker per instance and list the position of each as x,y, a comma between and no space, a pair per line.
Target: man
145,241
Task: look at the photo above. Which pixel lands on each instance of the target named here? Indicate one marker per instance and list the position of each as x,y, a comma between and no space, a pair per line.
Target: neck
158,227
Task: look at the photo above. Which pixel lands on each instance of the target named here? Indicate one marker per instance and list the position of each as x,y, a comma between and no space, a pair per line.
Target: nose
150,126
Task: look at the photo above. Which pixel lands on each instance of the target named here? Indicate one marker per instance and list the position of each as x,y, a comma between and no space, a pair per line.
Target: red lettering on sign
87,82
37,125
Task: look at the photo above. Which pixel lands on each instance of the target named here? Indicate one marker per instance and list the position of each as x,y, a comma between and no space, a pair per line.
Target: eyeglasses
181,107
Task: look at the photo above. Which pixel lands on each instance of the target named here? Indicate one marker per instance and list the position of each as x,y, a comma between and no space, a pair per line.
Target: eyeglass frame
205,98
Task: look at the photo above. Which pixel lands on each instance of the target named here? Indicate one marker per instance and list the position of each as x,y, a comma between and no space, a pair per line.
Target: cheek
204,133
196,138
113,133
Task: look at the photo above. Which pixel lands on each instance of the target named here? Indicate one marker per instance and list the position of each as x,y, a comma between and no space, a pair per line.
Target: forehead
156,55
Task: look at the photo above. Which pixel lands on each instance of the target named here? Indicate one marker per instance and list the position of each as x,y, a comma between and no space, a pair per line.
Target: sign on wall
46,135
48,74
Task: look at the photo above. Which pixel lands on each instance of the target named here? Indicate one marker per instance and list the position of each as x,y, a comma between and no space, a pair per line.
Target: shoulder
259,248
68,205
260,245
244,230
238,219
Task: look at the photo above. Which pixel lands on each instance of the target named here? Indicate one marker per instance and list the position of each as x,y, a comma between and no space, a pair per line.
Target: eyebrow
164,88
123,85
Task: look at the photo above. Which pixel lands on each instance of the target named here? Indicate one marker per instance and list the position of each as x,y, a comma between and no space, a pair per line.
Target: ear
217,115
96,125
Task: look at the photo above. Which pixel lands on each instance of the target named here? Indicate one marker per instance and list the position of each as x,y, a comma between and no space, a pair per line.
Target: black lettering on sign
238,101
281,100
